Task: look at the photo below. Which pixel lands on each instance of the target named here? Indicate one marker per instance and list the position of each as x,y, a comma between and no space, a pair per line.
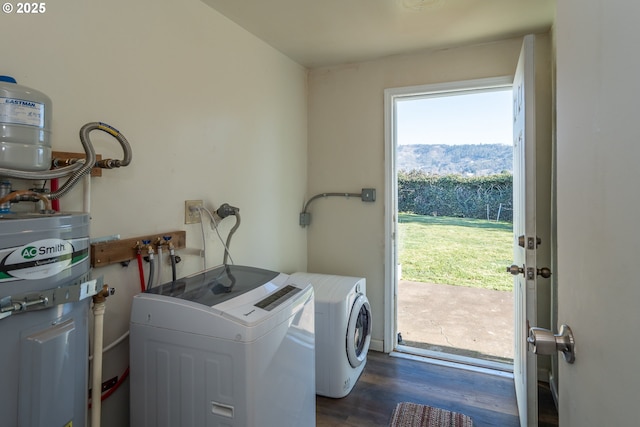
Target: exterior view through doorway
452,169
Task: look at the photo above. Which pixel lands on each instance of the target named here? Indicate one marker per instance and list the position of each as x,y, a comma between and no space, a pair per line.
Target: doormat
414,415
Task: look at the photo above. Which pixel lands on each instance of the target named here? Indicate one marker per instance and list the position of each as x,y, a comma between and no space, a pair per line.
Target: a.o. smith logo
39,259
29,252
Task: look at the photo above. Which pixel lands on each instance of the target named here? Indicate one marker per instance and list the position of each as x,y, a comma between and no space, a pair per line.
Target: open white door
598,152
524,229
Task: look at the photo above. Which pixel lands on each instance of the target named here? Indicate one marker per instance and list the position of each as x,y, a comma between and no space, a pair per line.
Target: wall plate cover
191,215
368,195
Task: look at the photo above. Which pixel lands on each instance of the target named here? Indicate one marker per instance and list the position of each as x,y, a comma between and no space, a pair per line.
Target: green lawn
455,251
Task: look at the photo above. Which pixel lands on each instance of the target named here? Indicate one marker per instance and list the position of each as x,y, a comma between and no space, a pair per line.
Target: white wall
211,113
346,151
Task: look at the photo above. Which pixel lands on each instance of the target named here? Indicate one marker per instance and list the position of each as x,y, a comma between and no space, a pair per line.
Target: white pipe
86,195
96,367
115,343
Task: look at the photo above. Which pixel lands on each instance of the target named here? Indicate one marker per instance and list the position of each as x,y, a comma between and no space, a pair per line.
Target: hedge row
482,197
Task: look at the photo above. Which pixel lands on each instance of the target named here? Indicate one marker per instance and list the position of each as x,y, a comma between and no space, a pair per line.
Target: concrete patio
458,320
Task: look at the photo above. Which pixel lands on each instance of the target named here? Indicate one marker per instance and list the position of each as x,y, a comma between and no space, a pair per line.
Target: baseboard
376,345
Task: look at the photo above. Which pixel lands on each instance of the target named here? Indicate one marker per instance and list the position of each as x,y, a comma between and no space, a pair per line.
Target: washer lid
216,285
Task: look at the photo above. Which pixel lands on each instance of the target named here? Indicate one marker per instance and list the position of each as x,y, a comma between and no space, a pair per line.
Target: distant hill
467,159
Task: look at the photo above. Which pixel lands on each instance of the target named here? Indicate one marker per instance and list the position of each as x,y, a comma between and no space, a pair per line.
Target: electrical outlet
191,213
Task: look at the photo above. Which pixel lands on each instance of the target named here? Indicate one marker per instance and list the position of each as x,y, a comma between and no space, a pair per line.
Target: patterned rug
415,415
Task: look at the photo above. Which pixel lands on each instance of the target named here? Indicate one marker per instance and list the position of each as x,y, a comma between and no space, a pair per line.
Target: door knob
544,272
515,270
543,341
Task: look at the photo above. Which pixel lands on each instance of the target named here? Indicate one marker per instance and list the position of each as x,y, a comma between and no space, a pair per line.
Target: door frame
391,95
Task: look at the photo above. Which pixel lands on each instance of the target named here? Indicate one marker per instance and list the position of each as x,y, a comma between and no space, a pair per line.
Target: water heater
44,312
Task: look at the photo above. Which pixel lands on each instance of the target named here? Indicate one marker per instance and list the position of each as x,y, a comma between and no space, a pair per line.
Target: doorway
450,177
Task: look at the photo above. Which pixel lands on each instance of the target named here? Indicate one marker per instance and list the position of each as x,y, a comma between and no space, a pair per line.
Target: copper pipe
16,194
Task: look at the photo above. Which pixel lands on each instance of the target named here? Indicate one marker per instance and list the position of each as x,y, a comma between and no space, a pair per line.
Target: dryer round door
359,331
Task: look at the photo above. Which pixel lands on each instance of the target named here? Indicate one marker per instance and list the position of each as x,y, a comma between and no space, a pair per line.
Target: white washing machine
231,346
343,330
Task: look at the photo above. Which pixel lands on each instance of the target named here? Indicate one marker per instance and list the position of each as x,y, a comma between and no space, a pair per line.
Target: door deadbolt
543,341
529,242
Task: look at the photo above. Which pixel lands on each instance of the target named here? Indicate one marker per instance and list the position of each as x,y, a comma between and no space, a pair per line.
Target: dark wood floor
386,381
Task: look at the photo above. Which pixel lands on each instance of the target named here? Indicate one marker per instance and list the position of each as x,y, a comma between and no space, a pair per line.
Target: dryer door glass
359,331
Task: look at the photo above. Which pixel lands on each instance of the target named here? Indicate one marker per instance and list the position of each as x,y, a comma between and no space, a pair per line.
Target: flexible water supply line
126,148
233,230
172,256
38,175
223,211
77,170
152,267
159,267
173,266
204,239
90,160
87,163
140,270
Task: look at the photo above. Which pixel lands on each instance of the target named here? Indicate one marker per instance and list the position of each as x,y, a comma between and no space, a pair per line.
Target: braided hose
91,156
233,230
77,170
87,164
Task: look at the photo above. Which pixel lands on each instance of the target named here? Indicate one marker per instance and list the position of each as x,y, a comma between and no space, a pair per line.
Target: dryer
343,330
230,346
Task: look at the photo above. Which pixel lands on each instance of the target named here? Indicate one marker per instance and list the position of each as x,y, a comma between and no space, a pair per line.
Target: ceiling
318,33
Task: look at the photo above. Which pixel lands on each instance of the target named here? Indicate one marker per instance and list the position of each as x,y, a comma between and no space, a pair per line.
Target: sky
476,118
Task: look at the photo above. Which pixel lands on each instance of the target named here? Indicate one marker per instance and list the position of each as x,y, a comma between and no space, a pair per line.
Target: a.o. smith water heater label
39,259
